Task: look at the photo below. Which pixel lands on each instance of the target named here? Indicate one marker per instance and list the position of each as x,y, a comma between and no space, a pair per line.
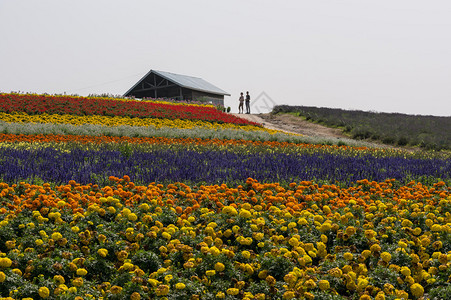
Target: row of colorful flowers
121,121
166,160
372,240
83,106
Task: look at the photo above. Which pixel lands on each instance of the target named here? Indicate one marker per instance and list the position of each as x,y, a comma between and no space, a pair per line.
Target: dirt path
292,124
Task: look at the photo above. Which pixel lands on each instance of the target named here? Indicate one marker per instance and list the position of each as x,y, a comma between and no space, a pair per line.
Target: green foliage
148,261
441,292
390,128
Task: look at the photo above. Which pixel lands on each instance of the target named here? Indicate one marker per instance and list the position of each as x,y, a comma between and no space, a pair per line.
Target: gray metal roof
193,83
190,82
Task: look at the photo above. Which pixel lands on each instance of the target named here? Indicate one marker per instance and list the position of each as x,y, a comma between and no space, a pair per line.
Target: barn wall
208,97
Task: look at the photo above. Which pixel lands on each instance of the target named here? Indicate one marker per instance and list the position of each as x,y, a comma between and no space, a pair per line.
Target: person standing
248,103
240,107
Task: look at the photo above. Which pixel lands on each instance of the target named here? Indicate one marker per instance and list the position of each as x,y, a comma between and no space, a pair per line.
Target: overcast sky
381,55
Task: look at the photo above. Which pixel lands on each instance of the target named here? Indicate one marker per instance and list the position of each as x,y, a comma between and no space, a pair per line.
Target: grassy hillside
428,132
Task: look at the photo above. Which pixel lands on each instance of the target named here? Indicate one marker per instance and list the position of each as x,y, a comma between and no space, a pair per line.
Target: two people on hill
248,103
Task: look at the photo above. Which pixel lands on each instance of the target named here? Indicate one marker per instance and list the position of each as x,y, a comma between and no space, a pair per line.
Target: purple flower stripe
88,166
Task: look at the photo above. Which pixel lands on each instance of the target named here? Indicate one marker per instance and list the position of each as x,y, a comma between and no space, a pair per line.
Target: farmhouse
158,84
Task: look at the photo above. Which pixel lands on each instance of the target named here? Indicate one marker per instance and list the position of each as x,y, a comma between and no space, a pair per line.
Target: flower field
96,216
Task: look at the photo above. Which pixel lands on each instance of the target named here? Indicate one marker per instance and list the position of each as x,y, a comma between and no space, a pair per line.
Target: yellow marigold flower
294,242
116,289
210,273
437,245
365,297
17,271
262,274
219,267
417,231
366,253
309,296
375,248
249,269
402,244
348,256
323,285
102,252
5,262
417,290
135,296
229,210
81,272
260,296
245,213
220,295
350,230
2,276
386,256
270,280
78,282
132,217
166,235
433,270
402,294
59,279
180,286
415,258
288,295
310,284
246,254
303,221
335,272
44,292
233,291
56,236
405,271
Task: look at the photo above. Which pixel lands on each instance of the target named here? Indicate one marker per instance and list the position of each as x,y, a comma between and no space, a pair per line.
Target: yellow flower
102,252
233,291
81,272
335,272
5,262
2,277
220,295
116,289
78,282
246,254
245,214
162,290
180,286
135,296
417,290
288,295
386,256
44,292
323,285
166,235
132,217
310,284
375,248
348,256
405,271
210,273
219,267
350,230
56,236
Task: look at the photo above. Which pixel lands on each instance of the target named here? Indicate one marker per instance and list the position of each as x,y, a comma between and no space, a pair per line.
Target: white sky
378,55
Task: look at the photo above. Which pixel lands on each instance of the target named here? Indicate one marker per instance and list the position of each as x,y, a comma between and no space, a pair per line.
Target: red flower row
81,106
